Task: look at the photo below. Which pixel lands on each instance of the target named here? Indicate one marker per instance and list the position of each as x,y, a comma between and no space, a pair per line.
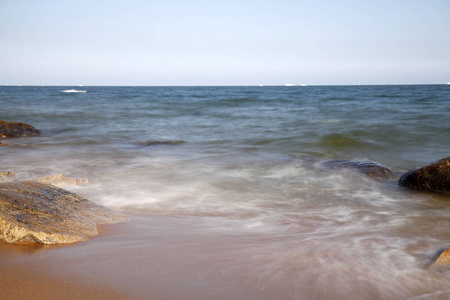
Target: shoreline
25,275
173,257
35,284
122,262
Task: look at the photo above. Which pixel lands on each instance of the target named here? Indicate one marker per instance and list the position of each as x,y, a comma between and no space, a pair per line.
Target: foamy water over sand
228,192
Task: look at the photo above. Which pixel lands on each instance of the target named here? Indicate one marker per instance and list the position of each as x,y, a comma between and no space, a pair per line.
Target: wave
73,91
159,143
387,96
339,140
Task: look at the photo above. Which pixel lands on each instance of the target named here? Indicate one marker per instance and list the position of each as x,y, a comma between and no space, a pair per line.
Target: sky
242,42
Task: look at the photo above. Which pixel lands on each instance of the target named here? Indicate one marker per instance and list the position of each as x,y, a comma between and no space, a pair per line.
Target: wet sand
163,257
29,283
141,259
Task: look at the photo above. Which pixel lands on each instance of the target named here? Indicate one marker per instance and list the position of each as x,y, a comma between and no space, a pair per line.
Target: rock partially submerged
5,175
444,258
40,213
434,177
369,168
14,129
61,180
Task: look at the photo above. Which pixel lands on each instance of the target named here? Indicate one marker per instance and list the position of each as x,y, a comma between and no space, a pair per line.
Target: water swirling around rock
247,177
45,214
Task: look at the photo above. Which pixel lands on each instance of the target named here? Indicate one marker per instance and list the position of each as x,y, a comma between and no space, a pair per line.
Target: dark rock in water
434,177
14,129
368,168
40,213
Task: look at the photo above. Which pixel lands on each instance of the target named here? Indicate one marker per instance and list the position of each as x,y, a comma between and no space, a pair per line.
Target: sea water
246,164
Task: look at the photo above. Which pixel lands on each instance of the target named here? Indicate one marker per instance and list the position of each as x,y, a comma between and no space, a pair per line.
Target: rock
434,177
45,214
368,168
14,129
444,258
61,180
5,175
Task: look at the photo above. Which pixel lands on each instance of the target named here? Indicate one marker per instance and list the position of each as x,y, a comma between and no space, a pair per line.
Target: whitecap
73,91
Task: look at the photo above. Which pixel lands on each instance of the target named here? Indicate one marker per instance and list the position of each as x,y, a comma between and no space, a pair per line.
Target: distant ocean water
246,161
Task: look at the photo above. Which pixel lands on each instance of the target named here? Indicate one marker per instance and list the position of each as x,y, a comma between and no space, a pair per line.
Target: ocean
242,167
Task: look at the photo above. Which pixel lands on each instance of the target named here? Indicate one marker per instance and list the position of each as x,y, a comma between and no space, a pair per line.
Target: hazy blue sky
243,42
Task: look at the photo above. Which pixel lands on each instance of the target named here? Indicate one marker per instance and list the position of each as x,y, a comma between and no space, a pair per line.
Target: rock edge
444,258
45,214
14,129
369,168
434,177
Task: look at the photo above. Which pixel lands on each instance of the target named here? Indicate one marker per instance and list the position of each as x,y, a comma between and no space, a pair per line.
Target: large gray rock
45,214
14,129
434,177
369,168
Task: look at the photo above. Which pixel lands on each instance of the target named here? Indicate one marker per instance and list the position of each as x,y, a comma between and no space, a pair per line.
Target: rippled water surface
246,163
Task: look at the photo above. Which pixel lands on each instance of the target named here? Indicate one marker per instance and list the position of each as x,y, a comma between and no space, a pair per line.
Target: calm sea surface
246,163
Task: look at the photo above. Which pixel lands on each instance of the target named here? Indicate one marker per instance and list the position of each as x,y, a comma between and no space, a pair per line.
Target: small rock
61,180
40,213
14,129
369,168
434,177
4,175
444,258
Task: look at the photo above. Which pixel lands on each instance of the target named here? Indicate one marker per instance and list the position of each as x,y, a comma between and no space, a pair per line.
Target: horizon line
221,85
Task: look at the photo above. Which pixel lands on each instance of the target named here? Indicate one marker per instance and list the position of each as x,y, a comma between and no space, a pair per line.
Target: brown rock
5,175
14,129
61,180
36,212
444,258
434,177
369,168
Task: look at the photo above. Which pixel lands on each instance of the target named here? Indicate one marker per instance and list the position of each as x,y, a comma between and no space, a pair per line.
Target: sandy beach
162,257
232,192
261,151
158,258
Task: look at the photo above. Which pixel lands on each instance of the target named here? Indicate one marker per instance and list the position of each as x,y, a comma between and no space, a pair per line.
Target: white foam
73,91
